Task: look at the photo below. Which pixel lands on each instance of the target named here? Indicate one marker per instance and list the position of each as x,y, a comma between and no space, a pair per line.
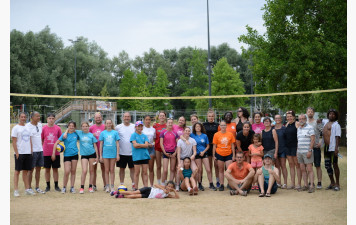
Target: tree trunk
342,120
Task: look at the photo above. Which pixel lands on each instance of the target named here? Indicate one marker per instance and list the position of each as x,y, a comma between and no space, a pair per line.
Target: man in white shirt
125,130
21,142
35,127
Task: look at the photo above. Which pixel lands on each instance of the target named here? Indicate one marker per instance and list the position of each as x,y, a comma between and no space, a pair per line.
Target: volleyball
122,188
61,147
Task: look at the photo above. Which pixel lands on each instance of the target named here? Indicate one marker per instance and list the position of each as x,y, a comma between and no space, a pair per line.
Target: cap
138,123
267,155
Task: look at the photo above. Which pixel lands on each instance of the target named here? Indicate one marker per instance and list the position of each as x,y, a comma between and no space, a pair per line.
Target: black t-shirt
291,135
245,141
211,129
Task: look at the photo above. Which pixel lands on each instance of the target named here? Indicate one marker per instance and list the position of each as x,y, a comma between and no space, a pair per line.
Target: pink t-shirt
96,130
258,128
49,136
178,130
169,140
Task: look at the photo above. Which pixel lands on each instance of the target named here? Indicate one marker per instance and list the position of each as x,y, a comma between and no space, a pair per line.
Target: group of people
250,153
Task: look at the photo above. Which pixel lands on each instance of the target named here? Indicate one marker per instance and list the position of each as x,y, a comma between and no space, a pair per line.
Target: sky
136,26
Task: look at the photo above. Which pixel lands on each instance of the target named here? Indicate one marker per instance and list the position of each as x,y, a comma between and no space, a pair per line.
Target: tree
160,88
303,49
225,81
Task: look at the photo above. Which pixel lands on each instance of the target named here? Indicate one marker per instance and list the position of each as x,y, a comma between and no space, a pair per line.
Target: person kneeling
240,174
267,177
157,191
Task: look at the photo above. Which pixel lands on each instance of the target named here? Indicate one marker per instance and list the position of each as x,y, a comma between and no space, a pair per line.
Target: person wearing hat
267,177
140,155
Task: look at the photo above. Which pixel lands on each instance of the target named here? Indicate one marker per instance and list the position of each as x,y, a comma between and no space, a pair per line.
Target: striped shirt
304,134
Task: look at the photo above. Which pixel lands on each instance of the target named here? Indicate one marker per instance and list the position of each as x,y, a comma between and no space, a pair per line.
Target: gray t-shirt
316,131
186,150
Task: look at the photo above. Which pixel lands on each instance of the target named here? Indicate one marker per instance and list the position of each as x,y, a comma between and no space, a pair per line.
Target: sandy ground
285,207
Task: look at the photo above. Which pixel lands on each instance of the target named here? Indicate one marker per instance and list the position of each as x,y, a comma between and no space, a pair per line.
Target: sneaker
217,184
91,190
81,191
47,189
212,188
177,187
16,193
64,190
57,189
201,187
319,186
279,185
336,188
94,188
72,190
29,192
221,188
40,191
107,189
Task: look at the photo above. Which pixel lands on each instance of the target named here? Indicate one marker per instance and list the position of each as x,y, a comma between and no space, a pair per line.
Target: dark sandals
262,195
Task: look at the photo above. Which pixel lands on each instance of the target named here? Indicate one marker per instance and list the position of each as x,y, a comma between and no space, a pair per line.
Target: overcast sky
136,26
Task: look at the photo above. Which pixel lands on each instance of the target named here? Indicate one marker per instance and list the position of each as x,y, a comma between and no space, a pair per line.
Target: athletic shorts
89,156
48,163
24,162
141,162
197,156
302,158
291,151
317,157
70,158
37,159
223,158
282,155
145,192
165,157
151,151
124,161
265,187
256,164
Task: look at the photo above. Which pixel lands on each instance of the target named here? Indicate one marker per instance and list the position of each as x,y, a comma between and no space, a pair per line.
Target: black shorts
88,156
70,158
317,157
165,157
145,192
141,162
48,163
124,160
197,156
223,158
24,162
37,159
291,151
210,151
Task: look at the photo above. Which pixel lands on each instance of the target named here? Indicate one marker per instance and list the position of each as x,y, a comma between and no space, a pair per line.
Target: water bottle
339,155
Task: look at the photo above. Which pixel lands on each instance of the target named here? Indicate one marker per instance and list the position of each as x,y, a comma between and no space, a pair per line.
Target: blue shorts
223,158
265,186
151,151
282,155
291,151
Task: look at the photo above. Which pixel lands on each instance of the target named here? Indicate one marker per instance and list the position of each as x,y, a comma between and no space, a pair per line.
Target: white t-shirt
157,193
36,136
23,135
186,150
125,133
150,133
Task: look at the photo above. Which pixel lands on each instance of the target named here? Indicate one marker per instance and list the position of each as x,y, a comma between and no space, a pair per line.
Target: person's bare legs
299,173
145,175
319,173
122,175
311,174
107,169
337,174
132,174
159,165
48,174
151,164
91,170
84,163
137,174
291,170
165,170
261,182
271,181
284,170
278,166
16,179
304,174
132,194
172,167
207,169
67,169
73,172
29,174
112,172
200,169
221,166
216,168
37,176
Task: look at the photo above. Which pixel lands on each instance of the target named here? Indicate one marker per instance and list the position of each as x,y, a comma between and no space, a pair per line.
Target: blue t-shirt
139,153
109,139
187,173
202,141
86,141
71,144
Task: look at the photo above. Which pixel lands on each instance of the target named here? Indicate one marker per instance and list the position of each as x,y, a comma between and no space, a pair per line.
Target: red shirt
159,128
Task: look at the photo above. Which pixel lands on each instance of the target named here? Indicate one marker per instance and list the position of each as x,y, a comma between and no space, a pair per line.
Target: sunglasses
37,129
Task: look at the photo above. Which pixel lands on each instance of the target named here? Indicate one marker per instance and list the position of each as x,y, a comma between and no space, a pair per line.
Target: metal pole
209,58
